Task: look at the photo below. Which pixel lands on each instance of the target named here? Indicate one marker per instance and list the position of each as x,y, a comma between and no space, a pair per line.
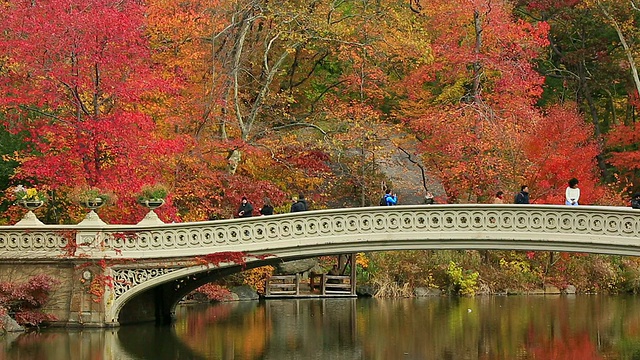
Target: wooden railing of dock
320,285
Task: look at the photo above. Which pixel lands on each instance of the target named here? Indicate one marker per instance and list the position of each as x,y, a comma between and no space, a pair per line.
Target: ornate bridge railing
608,230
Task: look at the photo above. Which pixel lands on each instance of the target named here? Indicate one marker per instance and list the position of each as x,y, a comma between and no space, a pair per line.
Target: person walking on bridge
300,204
523,196
267,208
428,199
389,199
246,209
635,201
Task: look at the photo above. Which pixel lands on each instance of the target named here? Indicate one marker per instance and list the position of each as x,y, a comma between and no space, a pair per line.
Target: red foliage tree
471,104
77,77
558,147
214,292
624,153
24,301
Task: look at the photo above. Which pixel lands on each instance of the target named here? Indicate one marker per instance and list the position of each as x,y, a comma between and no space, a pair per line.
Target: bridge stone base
70,301
81,294
90,294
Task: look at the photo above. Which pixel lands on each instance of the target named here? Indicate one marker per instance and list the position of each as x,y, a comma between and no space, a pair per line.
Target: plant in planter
153,196
92,197
29,197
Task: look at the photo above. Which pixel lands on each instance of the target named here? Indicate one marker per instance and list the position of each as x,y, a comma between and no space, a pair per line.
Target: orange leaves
257,277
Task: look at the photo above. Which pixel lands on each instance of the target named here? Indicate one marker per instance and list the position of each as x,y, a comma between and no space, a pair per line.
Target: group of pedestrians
572,197
571,193
246,209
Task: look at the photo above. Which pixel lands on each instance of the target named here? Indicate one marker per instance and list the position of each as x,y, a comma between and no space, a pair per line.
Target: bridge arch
164,253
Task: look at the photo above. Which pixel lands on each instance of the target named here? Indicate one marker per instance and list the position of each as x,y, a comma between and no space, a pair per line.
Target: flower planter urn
30,219
93,204
152,203
31,204
151,218
92,217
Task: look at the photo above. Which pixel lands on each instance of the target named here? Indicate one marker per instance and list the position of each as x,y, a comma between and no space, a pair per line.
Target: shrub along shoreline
471,272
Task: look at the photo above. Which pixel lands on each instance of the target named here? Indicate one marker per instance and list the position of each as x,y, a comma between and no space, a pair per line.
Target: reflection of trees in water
57,344
234,330
431,328
522,327
273,329
434,328
154,342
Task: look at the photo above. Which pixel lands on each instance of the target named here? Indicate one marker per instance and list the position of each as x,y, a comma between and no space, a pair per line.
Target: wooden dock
318,286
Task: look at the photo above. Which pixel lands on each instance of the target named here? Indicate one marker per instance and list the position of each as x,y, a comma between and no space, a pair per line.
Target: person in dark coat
635,201
300,204
267,208
523,196
428,199
246,209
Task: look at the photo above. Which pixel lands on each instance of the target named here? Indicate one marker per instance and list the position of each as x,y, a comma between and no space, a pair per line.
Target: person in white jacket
572,194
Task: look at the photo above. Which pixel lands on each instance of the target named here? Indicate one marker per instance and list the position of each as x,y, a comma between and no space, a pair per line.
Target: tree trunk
234,160
586,92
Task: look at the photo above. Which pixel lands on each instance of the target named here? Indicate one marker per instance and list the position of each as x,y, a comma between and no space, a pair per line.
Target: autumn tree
622,140
591,60
277,91
76,77
623,151
229,57
470,105
558,147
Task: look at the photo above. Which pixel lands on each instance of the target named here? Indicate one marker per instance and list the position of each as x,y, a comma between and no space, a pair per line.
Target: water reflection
275,329
545,327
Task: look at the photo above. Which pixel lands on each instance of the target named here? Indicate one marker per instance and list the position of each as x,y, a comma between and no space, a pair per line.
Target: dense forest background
221,99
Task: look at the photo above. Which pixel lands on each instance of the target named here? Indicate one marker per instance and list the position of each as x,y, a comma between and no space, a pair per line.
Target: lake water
515,327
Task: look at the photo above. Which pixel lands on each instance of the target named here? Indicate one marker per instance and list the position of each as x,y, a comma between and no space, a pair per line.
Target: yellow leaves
515,265
362,260
31,193
452,94
257,277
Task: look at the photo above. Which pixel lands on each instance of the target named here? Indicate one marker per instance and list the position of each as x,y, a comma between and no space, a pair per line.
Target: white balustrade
608,230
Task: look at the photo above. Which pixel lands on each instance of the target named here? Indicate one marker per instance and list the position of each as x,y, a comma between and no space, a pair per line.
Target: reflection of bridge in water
247,330
151,267
330,334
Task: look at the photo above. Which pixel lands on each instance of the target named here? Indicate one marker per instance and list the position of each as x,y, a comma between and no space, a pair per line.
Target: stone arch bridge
116,274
